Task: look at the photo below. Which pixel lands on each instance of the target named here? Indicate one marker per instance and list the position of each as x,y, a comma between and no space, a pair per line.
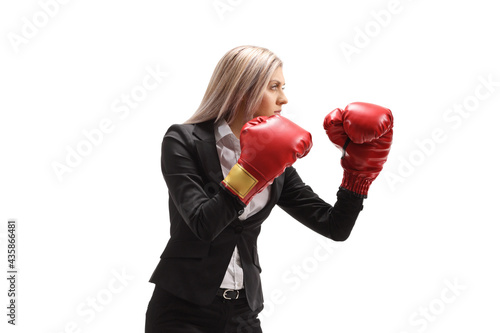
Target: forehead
278,75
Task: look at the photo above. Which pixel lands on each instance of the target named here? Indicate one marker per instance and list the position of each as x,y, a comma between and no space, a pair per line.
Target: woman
222,186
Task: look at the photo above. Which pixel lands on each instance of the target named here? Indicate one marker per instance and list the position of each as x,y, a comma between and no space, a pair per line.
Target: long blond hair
238,82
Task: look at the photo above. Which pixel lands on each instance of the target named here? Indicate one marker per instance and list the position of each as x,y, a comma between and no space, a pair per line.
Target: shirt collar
222,130
225,136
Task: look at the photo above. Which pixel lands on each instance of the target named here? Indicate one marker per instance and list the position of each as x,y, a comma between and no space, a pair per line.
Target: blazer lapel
274,196
207,150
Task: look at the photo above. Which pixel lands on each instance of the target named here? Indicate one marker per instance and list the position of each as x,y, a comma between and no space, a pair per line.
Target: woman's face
274,96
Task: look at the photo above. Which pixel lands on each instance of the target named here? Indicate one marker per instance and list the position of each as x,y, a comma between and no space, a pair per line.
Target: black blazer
204,224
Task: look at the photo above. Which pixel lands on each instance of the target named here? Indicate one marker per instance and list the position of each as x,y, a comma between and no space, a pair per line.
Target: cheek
259,111
267,106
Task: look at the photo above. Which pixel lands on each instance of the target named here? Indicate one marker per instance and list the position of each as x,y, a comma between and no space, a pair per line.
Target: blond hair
238,83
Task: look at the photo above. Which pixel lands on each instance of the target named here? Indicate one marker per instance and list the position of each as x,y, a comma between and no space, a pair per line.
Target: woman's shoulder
188,130
179,132
180,128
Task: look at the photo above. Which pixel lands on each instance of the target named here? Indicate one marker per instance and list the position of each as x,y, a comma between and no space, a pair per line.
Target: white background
430,220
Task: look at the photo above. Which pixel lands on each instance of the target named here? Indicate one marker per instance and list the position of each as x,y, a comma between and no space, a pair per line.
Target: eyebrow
276,81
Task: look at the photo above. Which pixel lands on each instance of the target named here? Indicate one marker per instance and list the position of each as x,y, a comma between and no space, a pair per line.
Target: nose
282,98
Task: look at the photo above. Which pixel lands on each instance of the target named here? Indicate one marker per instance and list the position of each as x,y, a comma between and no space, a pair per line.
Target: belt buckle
225,291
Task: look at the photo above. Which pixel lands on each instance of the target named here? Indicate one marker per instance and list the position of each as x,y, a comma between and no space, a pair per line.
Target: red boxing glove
268,146
363,132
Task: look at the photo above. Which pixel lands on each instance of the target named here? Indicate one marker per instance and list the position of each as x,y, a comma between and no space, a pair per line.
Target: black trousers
167,313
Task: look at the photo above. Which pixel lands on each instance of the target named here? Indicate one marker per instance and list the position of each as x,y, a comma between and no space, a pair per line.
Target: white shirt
228,149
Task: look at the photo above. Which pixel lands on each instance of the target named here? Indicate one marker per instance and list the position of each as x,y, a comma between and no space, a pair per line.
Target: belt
231,293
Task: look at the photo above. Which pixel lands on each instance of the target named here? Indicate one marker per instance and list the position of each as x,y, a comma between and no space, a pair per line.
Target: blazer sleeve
205,215
300,201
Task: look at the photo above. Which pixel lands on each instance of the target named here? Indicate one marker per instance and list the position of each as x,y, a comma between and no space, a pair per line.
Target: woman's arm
300,201
188,186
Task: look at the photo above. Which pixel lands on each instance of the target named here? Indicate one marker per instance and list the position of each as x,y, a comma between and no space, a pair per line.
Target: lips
277,112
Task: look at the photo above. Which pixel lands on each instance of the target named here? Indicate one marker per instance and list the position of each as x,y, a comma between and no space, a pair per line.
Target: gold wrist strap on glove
240,181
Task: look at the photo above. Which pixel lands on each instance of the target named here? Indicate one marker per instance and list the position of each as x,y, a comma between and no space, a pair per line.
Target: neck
237,124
